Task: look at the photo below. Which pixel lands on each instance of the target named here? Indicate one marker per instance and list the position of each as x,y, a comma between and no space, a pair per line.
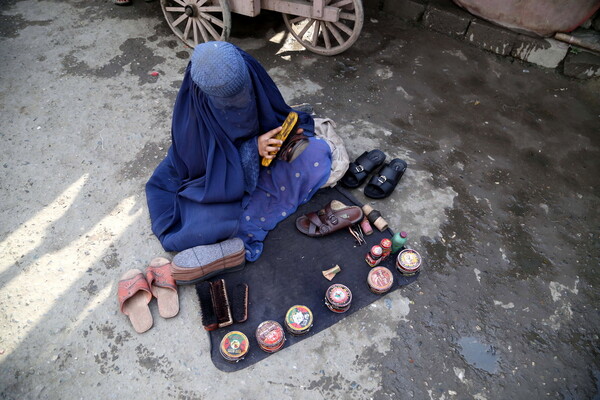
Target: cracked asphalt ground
501,199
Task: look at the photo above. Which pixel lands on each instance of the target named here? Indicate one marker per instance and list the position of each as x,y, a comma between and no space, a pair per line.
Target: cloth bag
325,129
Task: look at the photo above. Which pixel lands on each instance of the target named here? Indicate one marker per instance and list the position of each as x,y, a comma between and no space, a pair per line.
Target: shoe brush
239,302
209,318
221,303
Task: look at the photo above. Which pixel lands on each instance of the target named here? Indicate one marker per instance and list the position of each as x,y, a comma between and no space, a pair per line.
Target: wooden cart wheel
198,21
324,37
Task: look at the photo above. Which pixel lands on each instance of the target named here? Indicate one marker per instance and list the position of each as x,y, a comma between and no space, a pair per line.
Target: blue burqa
204,191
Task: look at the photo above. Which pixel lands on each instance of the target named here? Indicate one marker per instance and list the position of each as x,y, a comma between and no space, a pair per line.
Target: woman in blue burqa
211,185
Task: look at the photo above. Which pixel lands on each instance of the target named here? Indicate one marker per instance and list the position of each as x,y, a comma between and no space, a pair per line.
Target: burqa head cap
219,69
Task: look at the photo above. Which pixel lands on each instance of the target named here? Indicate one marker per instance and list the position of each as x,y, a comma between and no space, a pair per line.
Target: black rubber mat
289,272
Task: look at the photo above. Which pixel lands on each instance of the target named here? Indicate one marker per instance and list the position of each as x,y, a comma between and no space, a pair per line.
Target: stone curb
451,20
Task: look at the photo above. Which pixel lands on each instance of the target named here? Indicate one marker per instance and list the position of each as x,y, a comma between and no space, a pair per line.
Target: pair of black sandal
381,184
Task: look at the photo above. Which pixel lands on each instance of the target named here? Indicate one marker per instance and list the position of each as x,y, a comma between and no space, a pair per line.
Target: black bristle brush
239,302
221,303
209,318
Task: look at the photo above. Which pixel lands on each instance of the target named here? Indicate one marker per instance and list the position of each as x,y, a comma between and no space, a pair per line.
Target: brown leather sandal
333,217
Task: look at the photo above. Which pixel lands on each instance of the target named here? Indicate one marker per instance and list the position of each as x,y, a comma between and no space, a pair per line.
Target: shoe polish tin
380,280
408,262
234,346
298,320
270,336
338,298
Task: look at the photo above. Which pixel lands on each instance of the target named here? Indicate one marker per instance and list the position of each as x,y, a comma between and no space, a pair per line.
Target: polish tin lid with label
408,261
298,319
380,279
338,295
234,346
269,334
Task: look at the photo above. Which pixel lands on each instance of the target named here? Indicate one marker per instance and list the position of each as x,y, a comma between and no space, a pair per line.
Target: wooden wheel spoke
188,25
296,20
306,28
343,27
348,16
316,33
180,19
196,41
212,19
202,30
210,29
335,32
326,35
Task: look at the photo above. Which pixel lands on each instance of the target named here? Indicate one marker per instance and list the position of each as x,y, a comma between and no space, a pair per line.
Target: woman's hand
267,144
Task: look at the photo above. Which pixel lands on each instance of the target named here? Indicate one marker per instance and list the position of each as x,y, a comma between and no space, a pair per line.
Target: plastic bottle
398,241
